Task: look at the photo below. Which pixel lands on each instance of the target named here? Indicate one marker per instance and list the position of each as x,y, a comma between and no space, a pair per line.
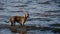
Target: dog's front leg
20,23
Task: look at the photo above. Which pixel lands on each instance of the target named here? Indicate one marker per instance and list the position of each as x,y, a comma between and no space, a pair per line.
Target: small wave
58,5
47,2
16,11
21,6
40,19
2,3
55,11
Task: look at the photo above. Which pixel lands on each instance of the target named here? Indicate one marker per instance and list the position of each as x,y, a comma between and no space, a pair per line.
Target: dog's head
26,14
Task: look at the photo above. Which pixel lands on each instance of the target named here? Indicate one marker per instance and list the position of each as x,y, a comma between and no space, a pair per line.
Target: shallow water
42,13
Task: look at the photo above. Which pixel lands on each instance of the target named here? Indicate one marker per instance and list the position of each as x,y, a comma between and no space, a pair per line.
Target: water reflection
24,29
18,30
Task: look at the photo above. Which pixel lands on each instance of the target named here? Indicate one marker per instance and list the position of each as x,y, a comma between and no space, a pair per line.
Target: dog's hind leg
12,22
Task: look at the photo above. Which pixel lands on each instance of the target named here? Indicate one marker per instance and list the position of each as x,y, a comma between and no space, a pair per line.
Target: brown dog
20,19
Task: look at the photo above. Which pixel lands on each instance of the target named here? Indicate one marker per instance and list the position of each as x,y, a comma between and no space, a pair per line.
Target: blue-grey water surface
41,13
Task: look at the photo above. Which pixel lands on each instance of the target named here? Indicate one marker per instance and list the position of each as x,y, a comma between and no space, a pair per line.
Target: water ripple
21,6
40,19
47,2
2,8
